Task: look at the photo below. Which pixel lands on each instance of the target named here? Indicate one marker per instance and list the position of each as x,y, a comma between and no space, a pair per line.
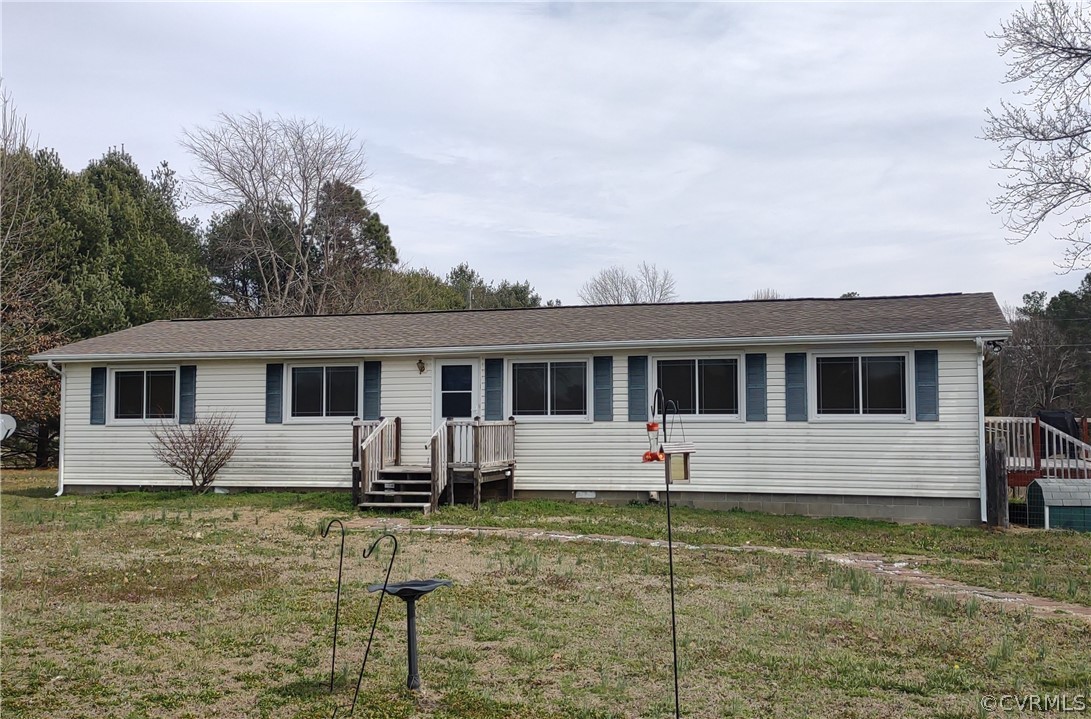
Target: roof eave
985,335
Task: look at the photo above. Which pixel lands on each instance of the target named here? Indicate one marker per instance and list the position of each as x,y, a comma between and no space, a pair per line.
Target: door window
456,390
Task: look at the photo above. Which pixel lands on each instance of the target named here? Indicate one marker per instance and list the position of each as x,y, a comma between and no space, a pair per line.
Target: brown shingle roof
965,314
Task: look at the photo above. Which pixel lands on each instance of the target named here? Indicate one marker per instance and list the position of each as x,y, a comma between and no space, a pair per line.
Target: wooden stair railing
371,450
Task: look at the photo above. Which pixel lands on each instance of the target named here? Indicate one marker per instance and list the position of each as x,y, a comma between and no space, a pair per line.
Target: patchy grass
1051,564
190,607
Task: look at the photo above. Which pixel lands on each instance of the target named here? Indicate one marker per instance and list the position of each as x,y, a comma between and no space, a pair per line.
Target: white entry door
456,397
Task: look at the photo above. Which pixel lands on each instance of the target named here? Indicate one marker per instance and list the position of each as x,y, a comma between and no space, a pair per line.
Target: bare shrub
197,451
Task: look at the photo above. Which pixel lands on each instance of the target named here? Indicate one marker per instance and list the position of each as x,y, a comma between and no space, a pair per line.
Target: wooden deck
464,455
1034,449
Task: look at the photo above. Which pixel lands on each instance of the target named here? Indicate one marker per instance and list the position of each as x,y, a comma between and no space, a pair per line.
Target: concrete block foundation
909,510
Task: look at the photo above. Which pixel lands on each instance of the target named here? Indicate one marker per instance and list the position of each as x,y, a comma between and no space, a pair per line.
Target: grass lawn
167,605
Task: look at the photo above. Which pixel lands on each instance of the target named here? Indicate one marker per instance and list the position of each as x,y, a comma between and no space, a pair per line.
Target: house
869,407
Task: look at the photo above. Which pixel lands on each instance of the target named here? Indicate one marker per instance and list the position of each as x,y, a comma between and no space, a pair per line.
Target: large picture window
549,389
144,394
700,386
325,391
861,385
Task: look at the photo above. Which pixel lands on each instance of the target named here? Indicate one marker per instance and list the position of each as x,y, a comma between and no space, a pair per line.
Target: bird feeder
677,460
654,453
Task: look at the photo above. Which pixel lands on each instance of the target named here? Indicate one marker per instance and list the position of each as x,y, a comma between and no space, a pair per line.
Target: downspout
980,344
60,430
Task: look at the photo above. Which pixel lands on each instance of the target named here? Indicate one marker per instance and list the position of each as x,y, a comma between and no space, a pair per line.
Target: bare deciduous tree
269,175
1046,140
197,451
617,286
24,254
766,293
1037,368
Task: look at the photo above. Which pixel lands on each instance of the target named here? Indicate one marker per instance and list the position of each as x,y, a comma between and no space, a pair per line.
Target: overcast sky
810,148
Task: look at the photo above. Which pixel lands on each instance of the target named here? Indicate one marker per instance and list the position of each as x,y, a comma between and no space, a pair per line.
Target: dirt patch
151,580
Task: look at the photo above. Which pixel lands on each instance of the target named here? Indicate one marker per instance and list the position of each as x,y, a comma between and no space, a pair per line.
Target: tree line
1047,362
87,252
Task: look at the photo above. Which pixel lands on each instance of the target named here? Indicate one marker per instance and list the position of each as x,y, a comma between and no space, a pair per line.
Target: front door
456,397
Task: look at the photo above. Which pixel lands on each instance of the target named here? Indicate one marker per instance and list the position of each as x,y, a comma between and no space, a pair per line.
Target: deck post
510,453
364,471
355,460
433,501
478,452
397,441
450,459
996,485
1036,443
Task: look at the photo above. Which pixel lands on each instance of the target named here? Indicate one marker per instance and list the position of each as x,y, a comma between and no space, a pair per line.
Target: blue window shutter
187,394
795,386
604,389
927,390
274,393
373,385
755,388
638,389
98,395
494,389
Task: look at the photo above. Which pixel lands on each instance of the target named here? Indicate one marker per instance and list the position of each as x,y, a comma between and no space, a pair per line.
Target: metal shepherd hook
374,622
337,605
659,400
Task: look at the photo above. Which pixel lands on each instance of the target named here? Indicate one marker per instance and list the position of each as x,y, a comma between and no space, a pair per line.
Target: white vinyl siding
292,454
925,459
908,458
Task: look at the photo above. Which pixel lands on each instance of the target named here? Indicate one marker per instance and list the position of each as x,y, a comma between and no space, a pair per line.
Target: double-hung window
861,385
144,394
549,389
700,386
325,391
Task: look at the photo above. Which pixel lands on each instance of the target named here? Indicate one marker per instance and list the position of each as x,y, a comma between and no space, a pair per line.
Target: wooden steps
400,487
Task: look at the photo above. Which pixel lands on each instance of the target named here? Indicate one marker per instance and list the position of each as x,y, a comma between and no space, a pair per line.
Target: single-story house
869,407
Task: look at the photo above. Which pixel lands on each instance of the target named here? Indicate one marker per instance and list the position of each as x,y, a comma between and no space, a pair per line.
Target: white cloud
811,148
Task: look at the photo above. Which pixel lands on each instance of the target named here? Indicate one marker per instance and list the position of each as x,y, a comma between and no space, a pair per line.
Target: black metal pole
670,559
412,681
658,399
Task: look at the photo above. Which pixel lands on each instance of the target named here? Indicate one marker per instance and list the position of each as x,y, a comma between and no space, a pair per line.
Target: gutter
60,431
981,427
537,347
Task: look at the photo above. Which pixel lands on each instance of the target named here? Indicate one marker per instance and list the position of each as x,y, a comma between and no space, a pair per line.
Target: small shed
1059,504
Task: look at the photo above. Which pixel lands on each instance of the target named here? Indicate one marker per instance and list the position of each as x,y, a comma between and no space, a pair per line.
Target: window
144,394
456,387
701,386
325,391
861,385
557,389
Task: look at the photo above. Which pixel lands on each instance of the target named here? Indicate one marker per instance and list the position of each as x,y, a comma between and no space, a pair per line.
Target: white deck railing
1034,448
469,444
437,455
481,445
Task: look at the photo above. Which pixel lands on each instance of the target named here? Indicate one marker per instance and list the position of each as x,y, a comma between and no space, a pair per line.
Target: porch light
420,366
